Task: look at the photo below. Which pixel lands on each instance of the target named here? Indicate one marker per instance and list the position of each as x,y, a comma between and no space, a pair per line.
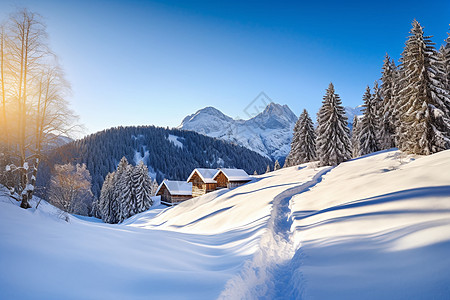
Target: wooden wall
199,187
222,180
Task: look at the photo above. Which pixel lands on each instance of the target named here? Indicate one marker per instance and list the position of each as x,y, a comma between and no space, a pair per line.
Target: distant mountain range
269,133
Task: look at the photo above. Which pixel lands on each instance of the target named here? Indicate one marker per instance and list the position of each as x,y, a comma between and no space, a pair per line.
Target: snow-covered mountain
269,133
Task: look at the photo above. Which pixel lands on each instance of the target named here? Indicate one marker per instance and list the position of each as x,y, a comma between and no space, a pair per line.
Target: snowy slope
377,227
188,251
269,133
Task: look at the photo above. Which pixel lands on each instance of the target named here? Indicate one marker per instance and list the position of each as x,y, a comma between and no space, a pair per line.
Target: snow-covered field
376,227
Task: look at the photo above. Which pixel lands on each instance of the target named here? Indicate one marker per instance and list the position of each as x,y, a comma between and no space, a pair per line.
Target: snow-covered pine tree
255,173
368,132
445,53
444,66
377,102
155,186
425,121
95,211
117,206
105,202
127,199
293,158
398,102
388,108
333,135
268,169
306,148
355,136
287,161
142,188
276,166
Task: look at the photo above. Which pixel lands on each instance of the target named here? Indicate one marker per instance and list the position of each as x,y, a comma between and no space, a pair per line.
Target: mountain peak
275,116
268,133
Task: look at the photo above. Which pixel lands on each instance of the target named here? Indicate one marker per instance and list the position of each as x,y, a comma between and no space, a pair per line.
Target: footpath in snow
267,275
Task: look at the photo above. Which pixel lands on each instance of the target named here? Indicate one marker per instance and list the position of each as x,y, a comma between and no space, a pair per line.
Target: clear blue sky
154,62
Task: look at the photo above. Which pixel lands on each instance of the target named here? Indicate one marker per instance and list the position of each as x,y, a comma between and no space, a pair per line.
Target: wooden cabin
174,192
202,181
230,178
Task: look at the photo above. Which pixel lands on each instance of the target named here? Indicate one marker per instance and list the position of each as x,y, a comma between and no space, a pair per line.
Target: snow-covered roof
176,187
207,175
234,174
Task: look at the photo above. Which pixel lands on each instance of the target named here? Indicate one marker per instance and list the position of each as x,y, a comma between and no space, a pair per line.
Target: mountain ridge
268,133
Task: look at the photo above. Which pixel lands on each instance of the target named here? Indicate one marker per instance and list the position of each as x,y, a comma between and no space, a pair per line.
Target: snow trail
269,274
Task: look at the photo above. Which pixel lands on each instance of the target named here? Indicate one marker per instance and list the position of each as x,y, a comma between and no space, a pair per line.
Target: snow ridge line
268,274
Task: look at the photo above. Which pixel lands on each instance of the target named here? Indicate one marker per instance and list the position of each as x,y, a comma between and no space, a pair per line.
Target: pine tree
400,84
276,165
377,102
255,173
333,135
268,169
127,199
142,188
120,187
368,132
387,112
444,67
155,186
293,157
445,58
306,148
424,110
355,136
95,211
105,202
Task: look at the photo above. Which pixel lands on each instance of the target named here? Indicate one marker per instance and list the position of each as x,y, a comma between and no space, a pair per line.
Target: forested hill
168,153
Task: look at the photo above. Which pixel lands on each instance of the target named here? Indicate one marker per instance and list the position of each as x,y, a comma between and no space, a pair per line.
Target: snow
234,174
177,187
376,227
176,140
207,175
139,158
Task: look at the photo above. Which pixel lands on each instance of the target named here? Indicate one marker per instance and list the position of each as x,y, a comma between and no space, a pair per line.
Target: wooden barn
174,192
230,178
202,181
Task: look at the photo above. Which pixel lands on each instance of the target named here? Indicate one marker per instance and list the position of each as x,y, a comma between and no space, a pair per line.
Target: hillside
168,153
376,227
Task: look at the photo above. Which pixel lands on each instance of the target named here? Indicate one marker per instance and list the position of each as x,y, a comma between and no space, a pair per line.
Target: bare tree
70,189
34,106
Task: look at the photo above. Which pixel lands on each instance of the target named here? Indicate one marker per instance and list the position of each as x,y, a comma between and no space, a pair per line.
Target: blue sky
154,62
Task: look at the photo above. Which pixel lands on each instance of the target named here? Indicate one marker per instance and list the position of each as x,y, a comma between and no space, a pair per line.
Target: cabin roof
234,174
177,187
207,175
